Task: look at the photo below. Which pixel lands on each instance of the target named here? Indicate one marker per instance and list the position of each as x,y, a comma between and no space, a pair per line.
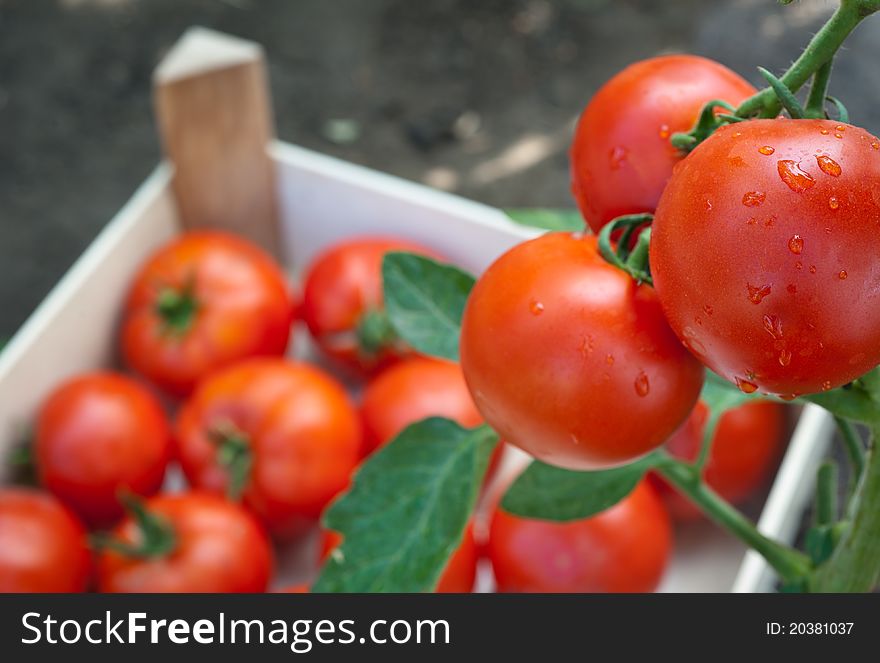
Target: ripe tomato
782,294
43,547
570,360
621,156
746,444
97,435
213,546
461,569
289,430
623,549
412,390
342,290
200,303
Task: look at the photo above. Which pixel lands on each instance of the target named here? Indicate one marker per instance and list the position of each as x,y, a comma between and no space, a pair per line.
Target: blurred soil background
475,97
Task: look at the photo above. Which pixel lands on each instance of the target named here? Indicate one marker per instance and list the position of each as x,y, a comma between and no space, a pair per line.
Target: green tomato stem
854,448
819,51
826,494
791,565
708,437
156,537
815,107
855,564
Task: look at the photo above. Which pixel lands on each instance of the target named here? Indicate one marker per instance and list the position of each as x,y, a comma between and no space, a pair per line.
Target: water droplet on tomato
773,326
826,386
838,135
642,385
842,275
791,173
757,293
745,386
617,157
753,198
799,265
753,221
664,131
812,269
796,244
609,359
876,145
840,127
575,439
833,202
708,309
537,308
784,358
824,132
788,397
766,150
828,165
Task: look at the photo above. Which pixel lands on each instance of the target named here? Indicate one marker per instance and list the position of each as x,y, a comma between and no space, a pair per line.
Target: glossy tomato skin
623,549
461,569
242,308
783,295
412,390
43,546
301,428
570,360
343,284
621,156
220,548
97,435
746,445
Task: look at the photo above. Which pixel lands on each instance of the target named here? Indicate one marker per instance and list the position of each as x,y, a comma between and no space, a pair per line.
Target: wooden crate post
214,116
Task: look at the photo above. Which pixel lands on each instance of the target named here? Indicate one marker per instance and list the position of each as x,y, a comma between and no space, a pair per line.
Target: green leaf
549,219
545,492
425,301
719,395
406,512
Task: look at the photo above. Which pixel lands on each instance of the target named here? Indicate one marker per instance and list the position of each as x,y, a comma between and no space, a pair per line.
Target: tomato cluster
265,442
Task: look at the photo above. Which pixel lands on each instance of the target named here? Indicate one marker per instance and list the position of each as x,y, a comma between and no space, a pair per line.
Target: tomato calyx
708,121
155,535
633,261
177,308
234,455
374,333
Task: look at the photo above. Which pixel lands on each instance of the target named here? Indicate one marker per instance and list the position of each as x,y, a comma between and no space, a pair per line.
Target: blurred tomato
282,433
745,447
202,302
623,549
204,544
43,547
97,435
342,302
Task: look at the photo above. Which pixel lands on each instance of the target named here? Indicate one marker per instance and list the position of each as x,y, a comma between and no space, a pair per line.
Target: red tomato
621,156
623,549
413,390
202,302
342,287
457,578
782,294
43,547
295,432
745,446
570,360
215,546
98,435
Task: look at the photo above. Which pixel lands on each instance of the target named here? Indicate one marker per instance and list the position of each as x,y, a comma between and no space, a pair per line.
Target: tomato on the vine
200,303
782,295
571,360
458,575
283,434
97,435
43,547
621,156
343,304
196,542
745,445
622,549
